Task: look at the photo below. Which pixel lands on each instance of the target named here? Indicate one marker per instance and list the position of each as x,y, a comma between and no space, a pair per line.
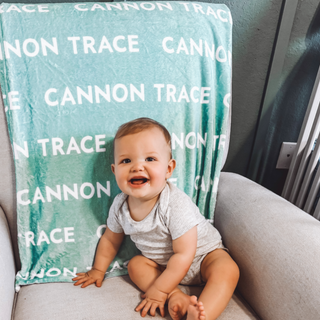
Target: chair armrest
7,270
276,246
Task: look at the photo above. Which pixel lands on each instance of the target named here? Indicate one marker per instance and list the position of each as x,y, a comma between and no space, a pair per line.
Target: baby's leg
221,275
143,272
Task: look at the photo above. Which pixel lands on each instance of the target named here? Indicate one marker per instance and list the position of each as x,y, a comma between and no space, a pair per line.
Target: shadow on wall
254,30
289,108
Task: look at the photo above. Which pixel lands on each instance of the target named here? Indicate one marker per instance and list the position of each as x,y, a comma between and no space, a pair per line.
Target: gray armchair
275,244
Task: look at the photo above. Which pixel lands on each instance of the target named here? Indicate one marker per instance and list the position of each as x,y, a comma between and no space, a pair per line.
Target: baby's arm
108,247
184,249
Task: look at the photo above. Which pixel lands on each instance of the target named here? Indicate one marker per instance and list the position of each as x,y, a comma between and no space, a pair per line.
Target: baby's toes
200,306
193,300
202,313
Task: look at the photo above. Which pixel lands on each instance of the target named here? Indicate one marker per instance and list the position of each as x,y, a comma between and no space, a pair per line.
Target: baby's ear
112,168
171,167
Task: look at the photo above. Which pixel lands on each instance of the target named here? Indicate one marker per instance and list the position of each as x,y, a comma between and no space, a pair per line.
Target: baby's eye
150,159
125,161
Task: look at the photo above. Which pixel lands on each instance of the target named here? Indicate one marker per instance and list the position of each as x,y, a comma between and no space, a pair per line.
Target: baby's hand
86,278
153,299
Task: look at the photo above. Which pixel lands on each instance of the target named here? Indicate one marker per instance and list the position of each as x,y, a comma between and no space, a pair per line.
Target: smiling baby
178,245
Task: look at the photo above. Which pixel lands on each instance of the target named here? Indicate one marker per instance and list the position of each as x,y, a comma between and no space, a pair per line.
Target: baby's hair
141,124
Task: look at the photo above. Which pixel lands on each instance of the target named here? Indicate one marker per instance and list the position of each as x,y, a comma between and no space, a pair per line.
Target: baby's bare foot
196,312
179,303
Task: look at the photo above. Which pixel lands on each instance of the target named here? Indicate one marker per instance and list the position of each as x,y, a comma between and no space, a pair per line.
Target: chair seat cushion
116,299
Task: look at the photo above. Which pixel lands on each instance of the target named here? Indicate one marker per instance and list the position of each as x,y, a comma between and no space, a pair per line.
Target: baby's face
142,163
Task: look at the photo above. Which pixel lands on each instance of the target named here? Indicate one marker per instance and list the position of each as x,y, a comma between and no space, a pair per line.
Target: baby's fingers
154,307
162,312
80,276
146,309
83,278
99,283
87,283
79,281
141,305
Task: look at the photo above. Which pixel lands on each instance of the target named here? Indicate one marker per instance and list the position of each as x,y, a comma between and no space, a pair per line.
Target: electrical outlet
285,155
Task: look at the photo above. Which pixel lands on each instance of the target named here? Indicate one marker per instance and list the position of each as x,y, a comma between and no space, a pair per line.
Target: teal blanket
70,75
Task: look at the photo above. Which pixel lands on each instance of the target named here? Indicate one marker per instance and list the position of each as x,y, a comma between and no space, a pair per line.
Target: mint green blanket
70,75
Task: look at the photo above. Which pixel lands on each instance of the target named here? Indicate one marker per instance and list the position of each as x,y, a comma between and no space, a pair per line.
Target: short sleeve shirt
173,215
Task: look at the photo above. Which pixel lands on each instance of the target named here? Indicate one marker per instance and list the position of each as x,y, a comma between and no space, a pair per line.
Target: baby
178,245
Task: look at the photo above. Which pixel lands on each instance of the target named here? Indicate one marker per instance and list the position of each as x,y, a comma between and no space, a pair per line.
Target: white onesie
173,215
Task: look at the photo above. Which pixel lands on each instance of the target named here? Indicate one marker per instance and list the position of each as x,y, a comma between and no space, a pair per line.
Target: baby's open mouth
137,181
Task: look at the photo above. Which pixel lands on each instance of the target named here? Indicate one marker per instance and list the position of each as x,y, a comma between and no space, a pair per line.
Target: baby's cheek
120,181
160,175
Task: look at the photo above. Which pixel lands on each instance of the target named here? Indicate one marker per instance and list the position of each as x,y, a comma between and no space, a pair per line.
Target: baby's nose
137,166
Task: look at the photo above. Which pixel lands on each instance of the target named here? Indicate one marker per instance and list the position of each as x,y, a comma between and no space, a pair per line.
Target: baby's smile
138,181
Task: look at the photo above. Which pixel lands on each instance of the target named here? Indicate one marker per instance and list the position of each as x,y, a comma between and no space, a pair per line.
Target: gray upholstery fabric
228,136
7,270
277,247
115,300
7,180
